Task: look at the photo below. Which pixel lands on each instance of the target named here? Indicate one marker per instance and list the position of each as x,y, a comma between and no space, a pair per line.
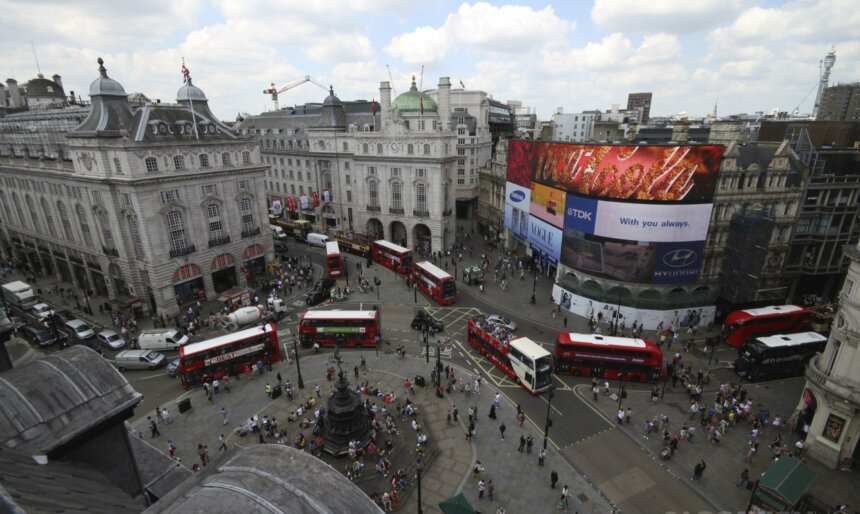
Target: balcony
421,214
110,251
183,251
393,210
219,241
251,232
374,208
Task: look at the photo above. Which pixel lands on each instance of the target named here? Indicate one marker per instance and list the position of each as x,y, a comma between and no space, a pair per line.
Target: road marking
590,405
153,376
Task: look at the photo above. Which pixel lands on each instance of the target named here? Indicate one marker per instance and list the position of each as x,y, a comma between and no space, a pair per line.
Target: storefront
223,269
188,285
254,264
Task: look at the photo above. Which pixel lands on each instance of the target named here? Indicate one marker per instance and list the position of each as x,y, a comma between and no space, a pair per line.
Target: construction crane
274,91
391,81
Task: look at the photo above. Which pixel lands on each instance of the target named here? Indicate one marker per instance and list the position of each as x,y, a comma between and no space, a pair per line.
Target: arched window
176,232
246,157
64,221
373,193
104,225
410,149
421,197
134,231
151,164
85,225
379,148
364,148
117,166
178,162
396,195
426,149
49,218
225,159
204,160
247,212
213,213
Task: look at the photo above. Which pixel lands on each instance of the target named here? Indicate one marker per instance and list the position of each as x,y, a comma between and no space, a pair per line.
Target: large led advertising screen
547,203
644,173
517,200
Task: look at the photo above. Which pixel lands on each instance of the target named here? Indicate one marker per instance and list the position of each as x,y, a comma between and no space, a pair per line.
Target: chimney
15,99
384,102
59,80
444,103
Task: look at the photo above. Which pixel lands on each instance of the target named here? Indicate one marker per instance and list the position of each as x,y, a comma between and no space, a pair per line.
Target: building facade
640,102
574,128
491,198
163,203
840,103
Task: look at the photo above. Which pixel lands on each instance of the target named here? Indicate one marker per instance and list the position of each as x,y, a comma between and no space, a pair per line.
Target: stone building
163,203
491,193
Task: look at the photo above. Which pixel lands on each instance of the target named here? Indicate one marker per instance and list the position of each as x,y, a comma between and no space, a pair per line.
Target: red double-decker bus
392,256
435,282
748,324
333,260
594,355
525,361
339,328
227,355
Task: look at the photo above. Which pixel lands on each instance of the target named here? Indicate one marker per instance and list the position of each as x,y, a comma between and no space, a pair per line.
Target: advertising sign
517,196
291,204
303,201
517,222
316,196
277,206
547,203
678,262
645,173
545,237
326,196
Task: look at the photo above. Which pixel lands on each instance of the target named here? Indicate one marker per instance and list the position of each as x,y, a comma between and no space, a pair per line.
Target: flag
462,85
373,107
316,197
326,196
421,102
291,204
185,74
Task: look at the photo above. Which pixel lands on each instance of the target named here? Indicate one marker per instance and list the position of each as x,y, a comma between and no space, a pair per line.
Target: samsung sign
517,196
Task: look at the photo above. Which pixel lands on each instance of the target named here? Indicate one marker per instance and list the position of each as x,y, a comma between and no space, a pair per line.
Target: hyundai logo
517,196
680,258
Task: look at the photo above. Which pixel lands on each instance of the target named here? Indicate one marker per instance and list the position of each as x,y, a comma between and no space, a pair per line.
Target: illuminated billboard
517,199
645,173
545,239
547,203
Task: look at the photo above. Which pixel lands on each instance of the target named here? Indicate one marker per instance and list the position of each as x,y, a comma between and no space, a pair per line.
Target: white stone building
575,128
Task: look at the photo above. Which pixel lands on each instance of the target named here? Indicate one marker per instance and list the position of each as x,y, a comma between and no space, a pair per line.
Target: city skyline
746,56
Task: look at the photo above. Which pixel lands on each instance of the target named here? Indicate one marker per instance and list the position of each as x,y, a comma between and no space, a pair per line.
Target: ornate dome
412,100
104,85
331,99
190,92
42,87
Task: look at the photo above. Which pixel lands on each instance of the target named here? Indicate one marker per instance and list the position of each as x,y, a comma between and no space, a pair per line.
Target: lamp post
426,345
617,316
621,392
419,467
439,363
298,366
550,393
415,290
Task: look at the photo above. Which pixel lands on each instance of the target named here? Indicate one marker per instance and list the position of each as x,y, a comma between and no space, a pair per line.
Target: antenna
39,68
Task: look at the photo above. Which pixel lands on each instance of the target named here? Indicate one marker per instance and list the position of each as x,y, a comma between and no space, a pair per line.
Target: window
427,148
301,189
373,193
308,176
461,141
395,172
346,165
291,175
345,146
34,217
151,164
170,196
247,214
421,197
225,159
104,224
213,212
242,184
445,195
420,173
85,225
461,172
117,166
246,157
64,221
293,189
410,149
371,170
125,199
461,151
49,218
176,232
349,196
396,195
379,148
461,131
178,162
348,180
364,148
209,190
134,231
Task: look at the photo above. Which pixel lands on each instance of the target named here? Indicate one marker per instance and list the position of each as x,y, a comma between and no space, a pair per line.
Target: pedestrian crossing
444,352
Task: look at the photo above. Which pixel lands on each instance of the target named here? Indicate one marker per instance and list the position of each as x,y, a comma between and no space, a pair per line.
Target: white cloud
423,45
611,51
657,48
670,16
340,47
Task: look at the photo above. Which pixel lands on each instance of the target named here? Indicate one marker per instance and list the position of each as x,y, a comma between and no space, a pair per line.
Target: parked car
42,311
38,336
81,330
64,315
111,339
172,368
502,322
317,296
139,359
422,318
17,322
324,284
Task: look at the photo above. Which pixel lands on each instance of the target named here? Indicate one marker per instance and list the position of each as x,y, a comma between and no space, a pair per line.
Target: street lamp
419,467
439,363
621,392
551,393
298,366
426,345
617,316
415,290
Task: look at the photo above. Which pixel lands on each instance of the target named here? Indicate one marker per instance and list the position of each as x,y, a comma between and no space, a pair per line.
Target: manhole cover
582,497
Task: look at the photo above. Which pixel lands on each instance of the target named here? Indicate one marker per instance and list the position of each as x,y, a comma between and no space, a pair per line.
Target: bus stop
782,487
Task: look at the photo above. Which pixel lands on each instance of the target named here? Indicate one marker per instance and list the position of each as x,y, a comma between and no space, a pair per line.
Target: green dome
412,100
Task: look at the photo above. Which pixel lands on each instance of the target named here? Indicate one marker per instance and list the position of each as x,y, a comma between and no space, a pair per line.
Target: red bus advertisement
333,260
227,355
392,256
435,283
339,328
594,355
748,324
525,361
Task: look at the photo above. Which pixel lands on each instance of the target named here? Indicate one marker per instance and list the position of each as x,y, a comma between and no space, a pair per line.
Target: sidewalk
520,485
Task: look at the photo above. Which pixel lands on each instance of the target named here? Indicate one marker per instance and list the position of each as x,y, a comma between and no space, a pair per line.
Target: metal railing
374,208
183,251
392,210
219,241
421,214
251,232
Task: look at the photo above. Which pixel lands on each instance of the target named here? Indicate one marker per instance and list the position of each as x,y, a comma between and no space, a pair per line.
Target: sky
743,55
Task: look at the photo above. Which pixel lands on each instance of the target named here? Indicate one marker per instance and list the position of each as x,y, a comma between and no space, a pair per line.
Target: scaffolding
746,254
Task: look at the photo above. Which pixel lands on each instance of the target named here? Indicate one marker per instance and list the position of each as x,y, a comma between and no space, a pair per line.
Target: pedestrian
698,470
620,416
562,502
223,416
595,390
541,457
223,441
201,454
216,385
502,429
628,415
278,376
529,443
745,476
165,416
553,479
448,418
226,383
493,411
455,412
491,489
497,401
153,427
606,387
268,389
522,443
317,390
171,449
481,487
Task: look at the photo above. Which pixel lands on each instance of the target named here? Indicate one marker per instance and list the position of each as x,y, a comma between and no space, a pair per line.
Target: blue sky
746,55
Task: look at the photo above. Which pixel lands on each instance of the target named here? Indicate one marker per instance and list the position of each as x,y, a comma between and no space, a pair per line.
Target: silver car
503,322
111,339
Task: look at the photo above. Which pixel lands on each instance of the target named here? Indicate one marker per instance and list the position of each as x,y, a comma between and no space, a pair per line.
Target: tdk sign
517,196
580,214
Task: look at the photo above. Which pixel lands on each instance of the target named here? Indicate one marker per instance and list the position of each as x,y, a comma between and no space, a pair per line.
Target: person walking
497,401
223,441
317,390
595,391
202,454
529,443
153,427
541,457
165,416
481,486
563,502
620,416
699,470
522,443
223,416
742,480
171,449
502,429
553,479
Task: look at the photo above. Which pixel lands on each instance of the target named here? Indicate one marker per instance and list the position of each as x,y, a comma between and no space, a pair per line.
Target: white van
278,233
139,359
161,339
317,239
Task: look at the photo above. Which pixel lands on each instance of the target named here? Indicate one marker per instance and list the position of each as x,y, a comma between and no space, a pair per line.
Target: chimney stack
15,99
444,103
59,80
384,103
